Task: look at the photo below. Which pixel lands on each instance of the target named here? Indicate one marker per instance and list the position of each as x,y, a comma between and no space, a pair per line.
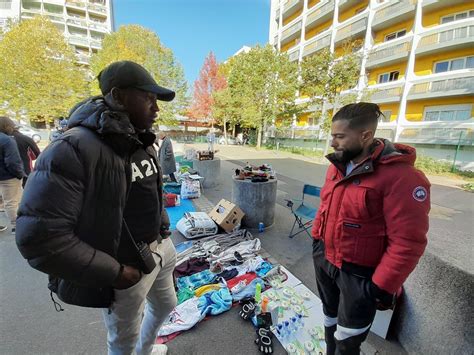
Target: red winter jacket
377,216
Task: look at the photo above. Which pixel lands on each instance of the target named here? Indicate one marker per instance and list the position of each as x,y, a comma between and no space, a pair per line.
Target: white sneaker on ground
159,349
3,228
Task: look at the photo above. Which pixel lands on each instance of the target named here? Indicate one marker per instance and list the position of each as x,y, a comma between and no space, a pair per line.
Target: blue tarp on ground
176,213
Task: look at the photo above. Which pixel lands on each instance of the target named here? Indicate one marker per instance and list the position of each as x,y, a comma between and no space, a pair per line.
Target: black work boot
330,341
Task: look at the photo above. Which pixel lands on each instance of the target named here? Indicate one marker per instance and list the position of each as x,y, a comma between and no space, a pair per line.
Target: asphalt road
29,323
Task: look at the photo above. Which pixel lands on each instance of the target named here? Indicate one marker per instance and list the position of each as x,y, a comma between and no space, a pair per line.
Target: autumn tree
324,77
138,44
38,74
263,84
210,80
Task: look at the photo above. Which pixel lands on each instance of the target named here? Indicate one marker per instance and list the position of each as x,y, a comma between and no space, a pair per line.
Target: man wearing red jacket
370,229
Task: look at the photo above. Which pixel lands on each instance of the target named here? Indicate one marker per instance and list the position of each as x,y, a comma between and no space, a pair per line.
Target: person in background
11,171
371,226
29,151
59,130
211,138
92,215
166,156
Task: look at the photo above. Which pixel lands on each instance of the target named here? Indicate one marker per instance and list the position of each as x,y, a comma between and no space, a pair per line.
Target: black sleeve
47,216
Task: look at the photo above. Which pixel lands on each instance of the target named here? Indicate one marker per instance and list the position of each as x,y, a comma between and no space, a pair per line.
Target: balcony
345,4
78,40
447,36
353,27
387,92
95,43
394,12
321,12
76,4
98,26
77,22
317,43
442,85
294,55
291,32
83,59
291,6
389,52
96,8
432,5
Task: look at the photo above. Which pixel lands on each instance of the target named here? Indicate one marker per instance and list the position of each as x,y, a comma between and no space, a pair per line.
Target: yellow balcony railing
319,12
316,44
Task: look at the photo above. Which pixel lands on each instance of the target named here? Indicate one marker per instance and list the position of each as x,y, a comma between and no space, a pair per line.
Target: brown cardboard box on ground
227,215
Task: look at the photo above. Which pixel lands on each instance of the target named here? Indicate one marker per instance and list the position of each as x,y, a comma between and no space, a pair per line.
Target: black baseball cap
127,74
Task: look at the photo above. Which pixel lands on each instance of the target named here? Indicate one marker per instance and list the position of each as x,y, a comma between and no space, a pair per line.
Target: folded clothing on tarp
196,224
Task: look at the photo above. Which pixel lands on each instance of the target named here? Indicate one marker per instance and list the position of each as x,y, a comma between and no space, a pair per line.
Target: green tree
138,44
263,84
37,72
324,77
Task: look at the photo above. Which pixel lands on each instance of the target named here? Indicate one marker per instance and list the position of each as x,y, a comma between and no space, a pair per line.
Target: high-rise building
417,57
83,22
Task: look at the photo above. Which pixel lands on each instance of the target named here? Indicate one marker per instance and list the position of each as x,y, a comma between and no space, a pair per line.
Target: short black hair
359,115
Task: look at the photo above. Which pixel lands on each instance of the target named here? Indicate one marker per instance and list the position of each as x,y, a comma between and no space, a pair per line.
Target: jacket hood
114,126
94,114
394,153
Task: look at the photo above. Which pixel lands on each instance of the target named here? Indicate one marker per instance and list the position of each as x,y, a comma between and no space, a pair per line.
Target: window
458,16
386,77
447,113
395,35
454,64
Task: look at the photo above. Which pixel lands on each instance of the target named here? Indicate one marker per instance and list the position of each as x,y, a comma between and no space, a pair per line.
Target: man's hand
383,299
165,233
127,277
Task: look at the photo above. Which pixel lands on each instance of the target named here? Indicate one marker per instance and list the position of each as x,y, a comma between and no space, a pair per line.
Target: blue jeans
132,324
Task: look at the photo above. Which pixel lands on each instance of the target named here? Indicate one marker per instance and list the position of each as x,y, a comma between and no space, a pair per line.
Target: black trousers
346,296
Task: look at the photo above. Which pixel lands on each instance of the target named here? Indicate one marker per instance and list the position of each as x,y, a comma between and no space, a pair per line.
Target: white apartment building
417,58
83,22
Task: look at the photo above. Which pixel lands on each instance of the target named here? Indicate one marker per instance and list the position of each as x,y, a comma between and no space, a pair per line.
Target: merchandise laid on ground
215,273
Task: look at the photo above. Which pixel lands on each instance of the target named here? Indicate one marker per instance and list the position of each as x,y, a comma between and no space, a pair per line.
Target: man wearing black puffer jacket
94,196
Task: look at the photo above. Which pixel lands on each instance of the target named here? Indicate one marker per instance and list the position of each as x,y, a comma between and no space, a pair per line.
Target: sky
193,28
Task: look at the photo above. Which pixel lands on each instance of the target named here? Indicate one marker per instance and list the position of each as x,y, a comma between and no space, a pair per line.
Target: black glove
383,299
264,341
248,308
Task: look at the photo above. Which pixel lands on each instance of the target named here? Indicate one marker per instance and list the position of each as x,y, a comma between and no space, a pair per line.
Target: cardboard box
226,215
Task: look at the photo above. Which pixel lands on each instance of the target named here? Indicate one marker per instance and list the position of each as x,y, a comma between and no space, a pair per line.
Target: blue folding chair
304,213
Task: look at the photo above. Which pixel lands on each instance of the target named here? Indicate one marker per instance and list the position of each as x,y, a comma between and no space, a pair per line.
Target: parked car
230,140
30,132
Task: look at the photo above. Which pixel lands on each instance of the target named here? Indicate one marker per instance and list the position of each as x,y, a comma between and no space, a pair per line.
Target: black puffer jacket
70,217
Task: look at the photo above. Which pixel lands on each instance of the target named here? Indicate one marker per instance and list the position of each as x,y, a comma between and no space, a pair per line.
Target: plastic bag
190,189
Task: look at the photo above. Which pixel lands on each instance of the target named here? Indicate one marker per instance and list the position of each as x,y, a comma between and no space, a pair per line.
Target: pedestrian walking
166,156
28,150
92,213
370,229
211,138
11,171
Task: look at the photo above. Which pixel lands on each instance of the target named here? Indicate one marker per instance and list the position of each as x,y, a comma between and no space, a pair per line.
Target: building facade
417,59
83,22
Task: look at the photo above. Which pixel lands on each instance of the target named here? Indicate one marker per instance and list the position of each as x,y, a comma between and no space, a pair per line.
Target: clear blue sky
193,28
